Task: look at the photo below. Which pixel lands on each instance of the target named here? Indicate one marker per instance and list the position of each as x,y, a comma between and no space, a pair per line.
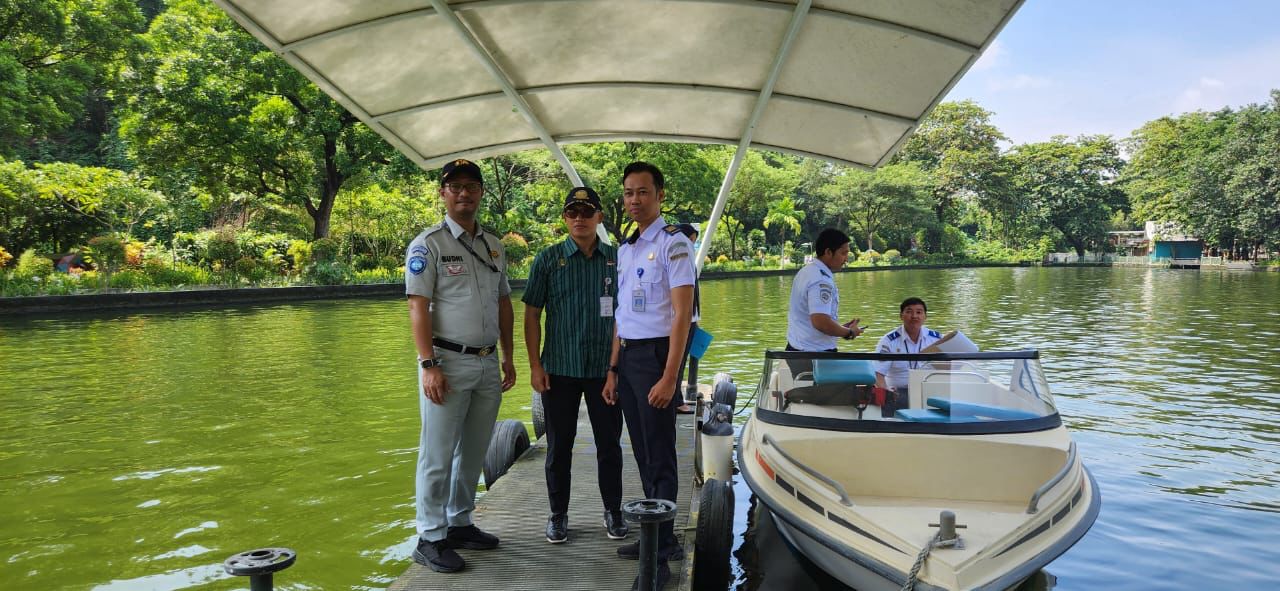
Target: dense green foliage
157,146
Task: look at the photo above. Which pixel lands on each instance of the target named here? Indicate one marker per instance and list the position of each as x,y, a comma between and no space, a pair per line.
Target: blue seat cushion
923,415
986,411
844,371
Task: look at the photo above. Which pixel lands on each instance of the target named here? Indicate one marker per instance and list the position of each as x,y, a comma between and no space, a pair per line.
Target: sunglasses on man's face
574,213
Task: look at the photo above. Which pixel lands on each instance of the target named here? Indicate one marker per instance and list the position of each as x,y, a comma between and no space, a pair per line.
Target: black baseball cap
584,196
460,165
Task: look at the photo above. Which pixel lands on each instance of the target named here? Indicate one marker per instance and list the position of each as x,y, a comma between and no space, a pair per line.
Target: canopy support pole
442,8
762,101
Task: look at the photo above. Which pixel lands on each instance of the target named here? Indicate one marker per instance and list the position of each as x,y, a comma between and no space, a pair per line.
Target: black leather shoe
615,526
558,528
438,556
471,538
663,575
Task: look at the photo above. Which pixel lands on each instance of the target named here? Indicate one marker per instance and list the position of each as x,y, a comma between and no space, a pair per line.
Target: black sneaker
663,575
615,526
471,538
558,528
438,556
629,551
669,551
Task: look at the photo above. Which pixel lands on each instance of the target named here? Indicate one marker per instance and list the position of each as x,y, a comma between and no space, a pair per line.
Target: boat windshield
949,393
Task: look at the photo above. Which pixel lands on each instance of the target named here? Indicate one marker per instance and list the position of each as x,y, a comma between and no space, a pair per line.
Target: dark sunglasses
574,213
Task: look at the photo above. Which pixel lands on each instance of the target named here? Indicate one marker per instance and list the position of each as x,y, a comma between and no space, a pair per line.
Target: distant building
1170,242
1131,243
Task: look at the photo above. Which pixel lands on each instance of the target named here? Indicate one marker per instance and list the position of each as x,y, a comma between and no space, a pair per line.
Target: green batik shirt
568,286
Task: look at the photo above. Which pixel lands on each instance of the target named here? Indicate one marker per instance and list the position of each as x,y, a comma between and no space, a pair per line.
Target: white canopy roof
841,80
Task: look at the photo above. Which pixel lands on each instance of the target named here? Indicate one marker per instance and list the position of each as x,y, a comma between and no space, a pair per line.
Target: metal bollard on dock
259,565
649,513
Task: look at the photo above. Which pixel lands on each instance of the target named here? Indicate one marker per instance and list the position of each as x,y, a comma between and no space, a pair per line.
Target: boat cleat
947,536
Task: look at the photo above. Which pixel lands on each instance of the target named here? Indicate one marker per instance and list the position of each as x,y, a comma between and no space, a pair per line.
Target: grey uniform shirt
462,286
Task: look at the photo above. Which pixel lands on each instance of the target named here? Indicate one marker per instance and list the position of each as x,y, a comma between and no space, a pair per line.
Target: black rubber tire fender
714,539
509,440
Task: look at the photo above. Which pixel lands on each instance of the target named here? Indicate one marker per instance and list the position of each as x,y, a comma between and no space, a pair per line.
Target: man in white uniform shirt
813,318
912,337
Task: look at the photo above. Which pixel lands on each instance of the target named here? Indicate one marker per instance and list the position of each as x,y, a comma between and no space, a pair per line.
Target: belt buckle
485,351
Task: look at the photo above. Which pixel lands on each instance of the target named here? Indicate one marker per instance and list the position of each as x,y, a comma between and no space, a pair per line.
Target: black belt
465,350
635,342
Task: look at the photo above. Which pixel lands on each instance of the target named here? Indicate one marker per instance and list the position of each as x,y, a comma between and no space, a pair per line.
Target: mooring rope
935,542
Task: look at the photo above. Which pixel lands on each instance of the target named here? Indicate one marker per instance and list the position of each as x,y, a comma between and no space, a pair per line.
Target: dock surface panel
516,511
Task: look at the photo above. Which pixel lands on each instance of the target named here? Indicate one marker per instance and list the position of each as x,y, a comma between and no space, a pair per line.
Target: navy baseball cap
460,165
584,196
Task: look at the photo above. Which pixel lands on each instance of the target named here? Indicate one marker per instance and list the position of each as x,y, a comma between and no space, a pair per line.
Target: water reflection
138,450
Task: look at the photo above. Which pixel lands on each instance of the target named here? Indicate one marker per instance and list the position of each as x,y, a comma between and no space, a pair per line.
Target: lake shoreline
232,296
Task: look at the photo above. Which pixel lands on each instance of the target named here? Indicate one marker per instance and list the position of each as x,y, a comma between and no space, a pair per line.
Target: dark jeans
799,366
652,430
561,404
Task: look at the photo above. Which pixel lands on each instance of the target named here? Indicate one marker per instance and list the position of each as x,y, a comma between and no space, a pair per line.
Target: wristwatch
850,335
428,363
614,369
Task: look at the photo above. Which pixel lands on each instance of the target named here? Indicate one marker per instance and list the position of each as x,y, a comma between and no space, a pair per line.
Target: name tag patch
449,258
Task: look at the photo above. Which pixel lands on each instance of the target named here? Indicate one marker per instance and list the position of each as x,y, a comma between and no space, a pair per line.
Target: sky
1075,67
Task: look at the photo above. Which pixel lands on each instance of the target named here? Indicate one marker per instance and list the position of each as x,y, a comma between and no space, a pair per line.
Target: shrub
5,257
327,273
892,255
222,248
133,252
379,275
180,274
107,252
869,256
722,259
299,254
325,250
130,279
516,247
32,265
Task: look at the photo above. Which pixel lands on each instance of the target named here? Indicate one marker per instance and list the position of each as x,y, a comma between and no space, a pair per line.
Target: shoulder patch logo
893,336
417,264
934,334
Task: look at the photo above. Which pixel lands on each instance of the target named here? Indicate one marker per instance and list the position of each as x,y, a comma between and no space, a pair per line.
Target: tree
1252,177
211,107
57,58
783,213
958,146
867,200
1071,185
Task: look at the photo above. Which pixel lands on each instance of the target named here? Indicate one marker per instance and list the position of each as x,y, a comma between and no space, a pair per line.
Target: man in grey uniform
459,309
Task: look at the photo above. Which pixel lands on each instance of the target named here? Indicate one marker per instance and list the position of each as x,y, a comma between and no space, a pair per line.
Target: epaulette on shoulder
893,336
434,229
671,229
824,272
934,334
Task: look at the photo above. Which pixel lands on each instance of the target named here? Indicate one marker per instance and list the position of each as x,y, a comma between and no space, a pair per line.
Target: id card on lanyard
606,300
637,294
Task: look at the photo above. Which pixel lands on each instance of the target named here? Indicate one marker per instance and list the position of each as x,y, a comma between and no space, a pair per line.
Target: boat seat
923,415
844,371
956,408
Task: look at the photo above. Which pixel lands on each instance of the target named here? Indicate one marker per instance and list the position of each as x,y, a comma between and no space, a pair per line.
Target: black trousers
799,366
652,430
560,404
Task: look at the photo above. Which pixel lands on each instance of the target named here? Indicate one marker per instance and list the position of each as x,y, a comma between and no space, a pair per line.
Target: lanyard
492,267
906,340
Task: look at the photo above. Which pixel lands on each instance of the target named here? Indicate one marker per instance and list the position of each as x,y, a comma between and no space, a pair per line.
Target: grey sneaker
615,526
558,528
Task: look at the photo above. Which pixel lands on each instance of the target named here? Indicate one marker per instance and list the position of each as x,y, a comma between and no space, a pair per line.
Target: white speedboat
860,488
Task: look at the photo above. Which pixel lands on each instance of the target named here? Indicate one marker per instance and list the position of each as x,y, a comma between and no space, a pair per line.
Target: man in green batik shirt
575,281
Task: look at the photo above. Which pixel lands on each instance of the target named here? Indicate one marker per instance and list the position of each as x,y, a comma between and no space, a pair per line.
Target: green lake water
139,450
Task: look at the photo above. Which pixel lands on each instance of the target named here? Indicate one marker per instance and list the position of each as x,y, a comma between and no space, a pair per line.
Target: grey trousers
454,439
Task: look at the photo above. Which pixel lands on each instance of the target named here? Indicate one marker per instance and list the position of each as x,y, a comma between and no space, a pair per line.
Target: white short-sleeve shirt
813,291
896,373
659,259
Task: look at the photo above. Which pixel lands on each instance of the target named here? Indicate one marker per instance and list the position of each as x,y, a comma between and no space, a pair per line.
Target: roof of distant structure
846,81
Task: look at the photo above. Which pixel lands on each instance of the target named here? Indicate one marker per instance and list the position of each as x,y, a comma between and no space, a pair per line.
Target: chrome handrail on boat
844,496
1044,488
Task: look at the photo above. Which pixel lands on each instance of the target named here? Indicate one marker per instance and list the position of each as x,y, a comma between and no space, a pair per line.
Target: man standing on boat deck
912,337
813,318
655,282
575,281
460,310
